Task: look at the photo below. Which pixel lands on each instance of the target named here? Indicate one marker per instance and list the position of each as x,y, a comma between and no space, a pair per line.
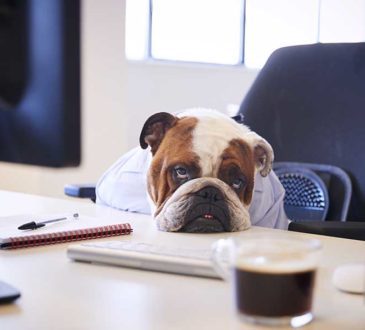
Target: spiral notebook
82,228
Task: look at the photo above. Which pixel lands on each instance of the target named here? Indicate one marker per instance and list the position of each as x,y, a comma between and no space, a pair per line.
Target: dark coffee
273,294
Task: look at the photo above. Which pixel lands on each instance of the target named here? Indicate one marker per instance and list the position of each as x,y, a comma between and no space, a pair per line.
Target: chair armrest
348,229
80,191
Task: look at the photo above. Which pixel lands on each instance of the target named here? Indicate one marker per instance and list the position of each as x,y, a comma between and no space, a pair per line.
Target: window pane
136,29
342,21
197,30
273,24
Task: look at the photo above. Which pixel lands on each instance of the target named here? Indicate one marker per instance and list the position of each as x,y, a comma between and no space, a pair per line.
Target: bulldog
202,171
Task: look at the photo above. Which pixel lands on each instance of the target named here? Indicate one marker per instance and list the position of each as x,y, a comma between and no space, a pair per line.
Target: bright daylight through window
235,32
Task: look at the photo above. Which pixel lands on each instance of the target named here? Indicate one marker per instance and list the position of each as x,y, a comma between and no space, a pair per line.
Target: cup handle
222,257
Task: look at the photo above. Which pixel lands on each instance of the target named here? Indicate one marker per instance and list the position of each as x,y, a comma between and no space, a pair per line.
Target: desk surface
61,294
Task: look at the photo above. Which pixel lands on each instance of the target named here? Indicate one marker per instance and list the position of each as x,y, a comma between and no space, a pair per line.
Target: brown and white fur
201,177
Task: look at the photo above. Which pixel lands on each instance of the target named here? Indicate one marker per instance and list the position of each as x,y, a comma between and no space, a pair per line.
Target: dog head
201,177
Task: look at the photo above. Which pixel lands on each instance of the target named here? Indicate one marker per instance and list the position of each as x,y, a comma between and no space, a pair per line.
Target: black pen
35,225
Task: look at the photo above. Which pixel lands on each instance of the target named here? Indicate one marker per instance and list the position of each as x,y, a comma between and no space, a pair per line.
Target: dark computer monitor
40,82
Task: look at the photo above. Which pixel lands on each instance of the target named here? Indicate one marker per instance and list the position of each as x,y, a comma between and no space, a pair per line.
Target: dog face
201,177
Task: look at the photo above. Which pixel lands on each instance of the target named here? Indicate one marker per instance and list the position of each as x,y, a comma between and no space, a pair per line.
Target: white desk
60,294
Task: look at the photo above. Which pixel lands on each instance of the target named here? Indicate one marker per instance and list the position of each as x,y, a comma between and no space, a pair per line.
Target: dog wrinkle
239,153
175,147
211,137
173,218
173,214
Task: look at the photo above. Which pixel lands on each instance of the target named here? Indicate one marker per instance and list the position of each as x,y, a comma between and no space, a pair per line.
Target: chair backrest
314,191
309,103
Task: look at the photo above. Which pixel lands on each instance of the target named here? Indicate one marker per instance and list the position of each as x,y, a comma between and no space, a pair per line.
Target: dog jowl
201,177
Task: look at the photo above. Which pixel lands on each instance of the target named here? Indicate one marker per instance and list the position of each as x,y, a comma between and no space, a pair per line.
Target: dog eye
181,173
237,184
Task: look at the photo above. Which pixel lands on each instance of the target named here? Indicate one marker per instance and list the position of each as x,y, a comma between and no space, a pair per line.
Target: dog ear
154,130
263,153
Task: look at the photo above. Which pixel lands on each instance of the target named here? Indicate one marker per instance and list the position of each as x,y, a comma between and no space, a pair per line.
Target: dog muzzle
203,205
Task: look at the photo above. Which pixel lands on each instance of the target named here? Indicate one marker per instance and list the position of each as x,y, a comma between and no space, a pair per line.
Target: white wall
165,87
118,96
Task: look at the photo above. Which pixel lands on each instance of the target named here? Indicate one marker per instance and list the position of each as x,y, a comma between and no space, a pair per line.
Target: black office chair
309,102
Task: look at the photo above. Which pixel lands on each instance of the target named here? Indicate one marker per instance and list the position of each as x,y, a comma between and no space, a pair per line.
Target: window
197,31
236,31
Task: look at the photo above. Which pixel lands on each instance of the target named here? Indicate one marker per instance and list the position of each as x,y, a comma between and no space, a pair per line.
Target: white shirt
124,186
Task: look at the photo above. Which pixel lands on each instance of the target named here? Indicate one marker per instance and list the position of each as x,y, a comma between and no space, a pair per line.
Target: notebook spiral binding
69,236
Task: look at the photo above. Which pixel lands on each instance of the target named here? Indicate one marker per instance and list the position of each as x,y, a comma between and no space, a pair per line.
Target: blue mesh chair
306,196
314,191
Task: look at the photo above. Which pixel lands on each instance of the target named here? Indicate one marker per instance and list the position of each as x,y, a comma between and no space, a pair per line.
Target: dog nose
210,194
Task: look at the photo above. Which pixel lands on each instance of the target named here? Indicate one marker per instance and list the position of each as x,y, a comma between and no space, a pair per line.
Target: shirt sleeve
267,207
124,184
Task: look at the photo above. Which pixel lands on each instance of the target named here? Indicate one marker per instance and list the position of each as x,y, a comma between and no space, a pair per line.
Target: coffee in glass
272,277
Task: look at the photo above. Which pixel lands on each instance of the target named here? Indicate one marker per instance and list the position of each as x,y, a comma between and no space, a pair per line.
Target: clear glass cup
272,277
